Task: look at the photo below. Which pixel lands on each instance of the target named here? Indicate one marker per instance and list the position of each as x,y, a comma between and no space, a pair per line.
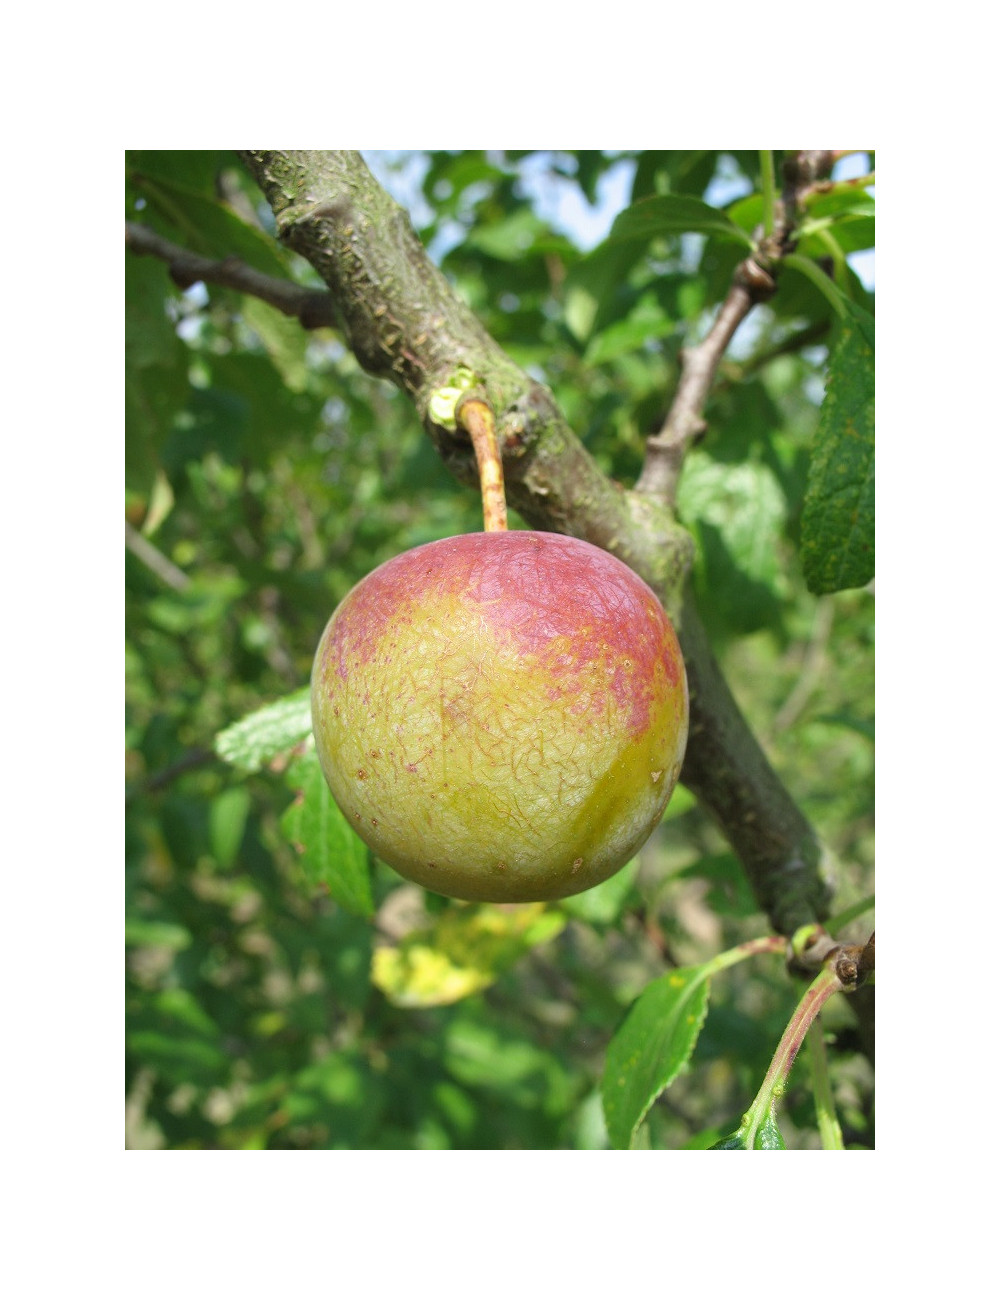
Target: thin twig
812,668
313,308
753,282
844,186
665,451
188,762
154,560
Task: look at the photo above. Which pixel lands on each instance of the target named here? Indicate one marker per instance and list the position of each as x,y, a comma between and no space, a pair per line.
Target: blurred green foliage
266,474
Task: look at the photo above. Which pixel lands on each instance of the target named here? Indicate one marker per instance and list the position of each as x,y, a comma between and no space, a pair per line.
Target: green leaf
841,203
179,1059
729,892
261,736
227,819
808,290
508,240
838,517
155,371
651,1047
593,282
202,604
342,1095
646,321
674,214
450,175
596,277
510,1066
747,212
603,904
744,502
150,337
331,855
206,226
681,802
285,340
865,322
140,933
737,513
678,171
766,1137
262,413
735,1142
852,233
848,217
195,169
862,726
179,1039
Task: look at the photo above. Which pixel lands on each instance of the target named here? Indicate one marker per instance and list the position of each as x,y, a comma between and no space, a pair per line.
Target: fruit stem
476,418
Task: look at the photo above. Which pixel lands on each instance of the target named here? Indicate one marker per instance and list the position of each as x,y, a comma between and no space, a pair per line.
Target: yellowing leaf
462,952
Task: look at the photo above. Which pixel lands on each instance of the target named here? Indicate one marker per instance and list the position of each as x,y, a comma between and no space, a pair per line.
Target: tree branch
405,323
730,774
665,451
313,308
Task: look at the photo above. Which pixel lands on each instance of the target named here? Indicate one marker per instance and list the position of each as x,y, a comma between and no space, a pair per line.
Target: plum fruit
501,716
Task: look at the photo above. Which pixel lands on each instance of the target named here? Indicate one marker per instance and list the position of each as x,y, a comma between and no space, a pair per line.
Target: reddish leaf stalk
820,991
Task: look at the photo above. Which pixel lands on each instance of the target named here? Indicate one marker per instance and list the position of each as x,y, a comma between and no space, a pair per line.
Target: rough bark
404,323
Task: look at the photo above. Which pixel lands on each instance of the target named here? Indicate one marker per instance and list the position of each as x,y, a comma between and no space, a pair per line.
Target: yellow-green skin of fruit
501,716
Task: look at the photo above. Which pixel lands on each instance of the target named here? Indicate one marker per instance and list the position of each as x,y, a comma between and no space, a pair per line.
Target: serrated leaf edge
704,978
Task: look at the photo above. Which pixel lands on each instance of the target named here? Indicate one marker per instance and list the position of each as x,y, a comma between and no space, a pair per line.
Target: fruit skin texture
501,716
